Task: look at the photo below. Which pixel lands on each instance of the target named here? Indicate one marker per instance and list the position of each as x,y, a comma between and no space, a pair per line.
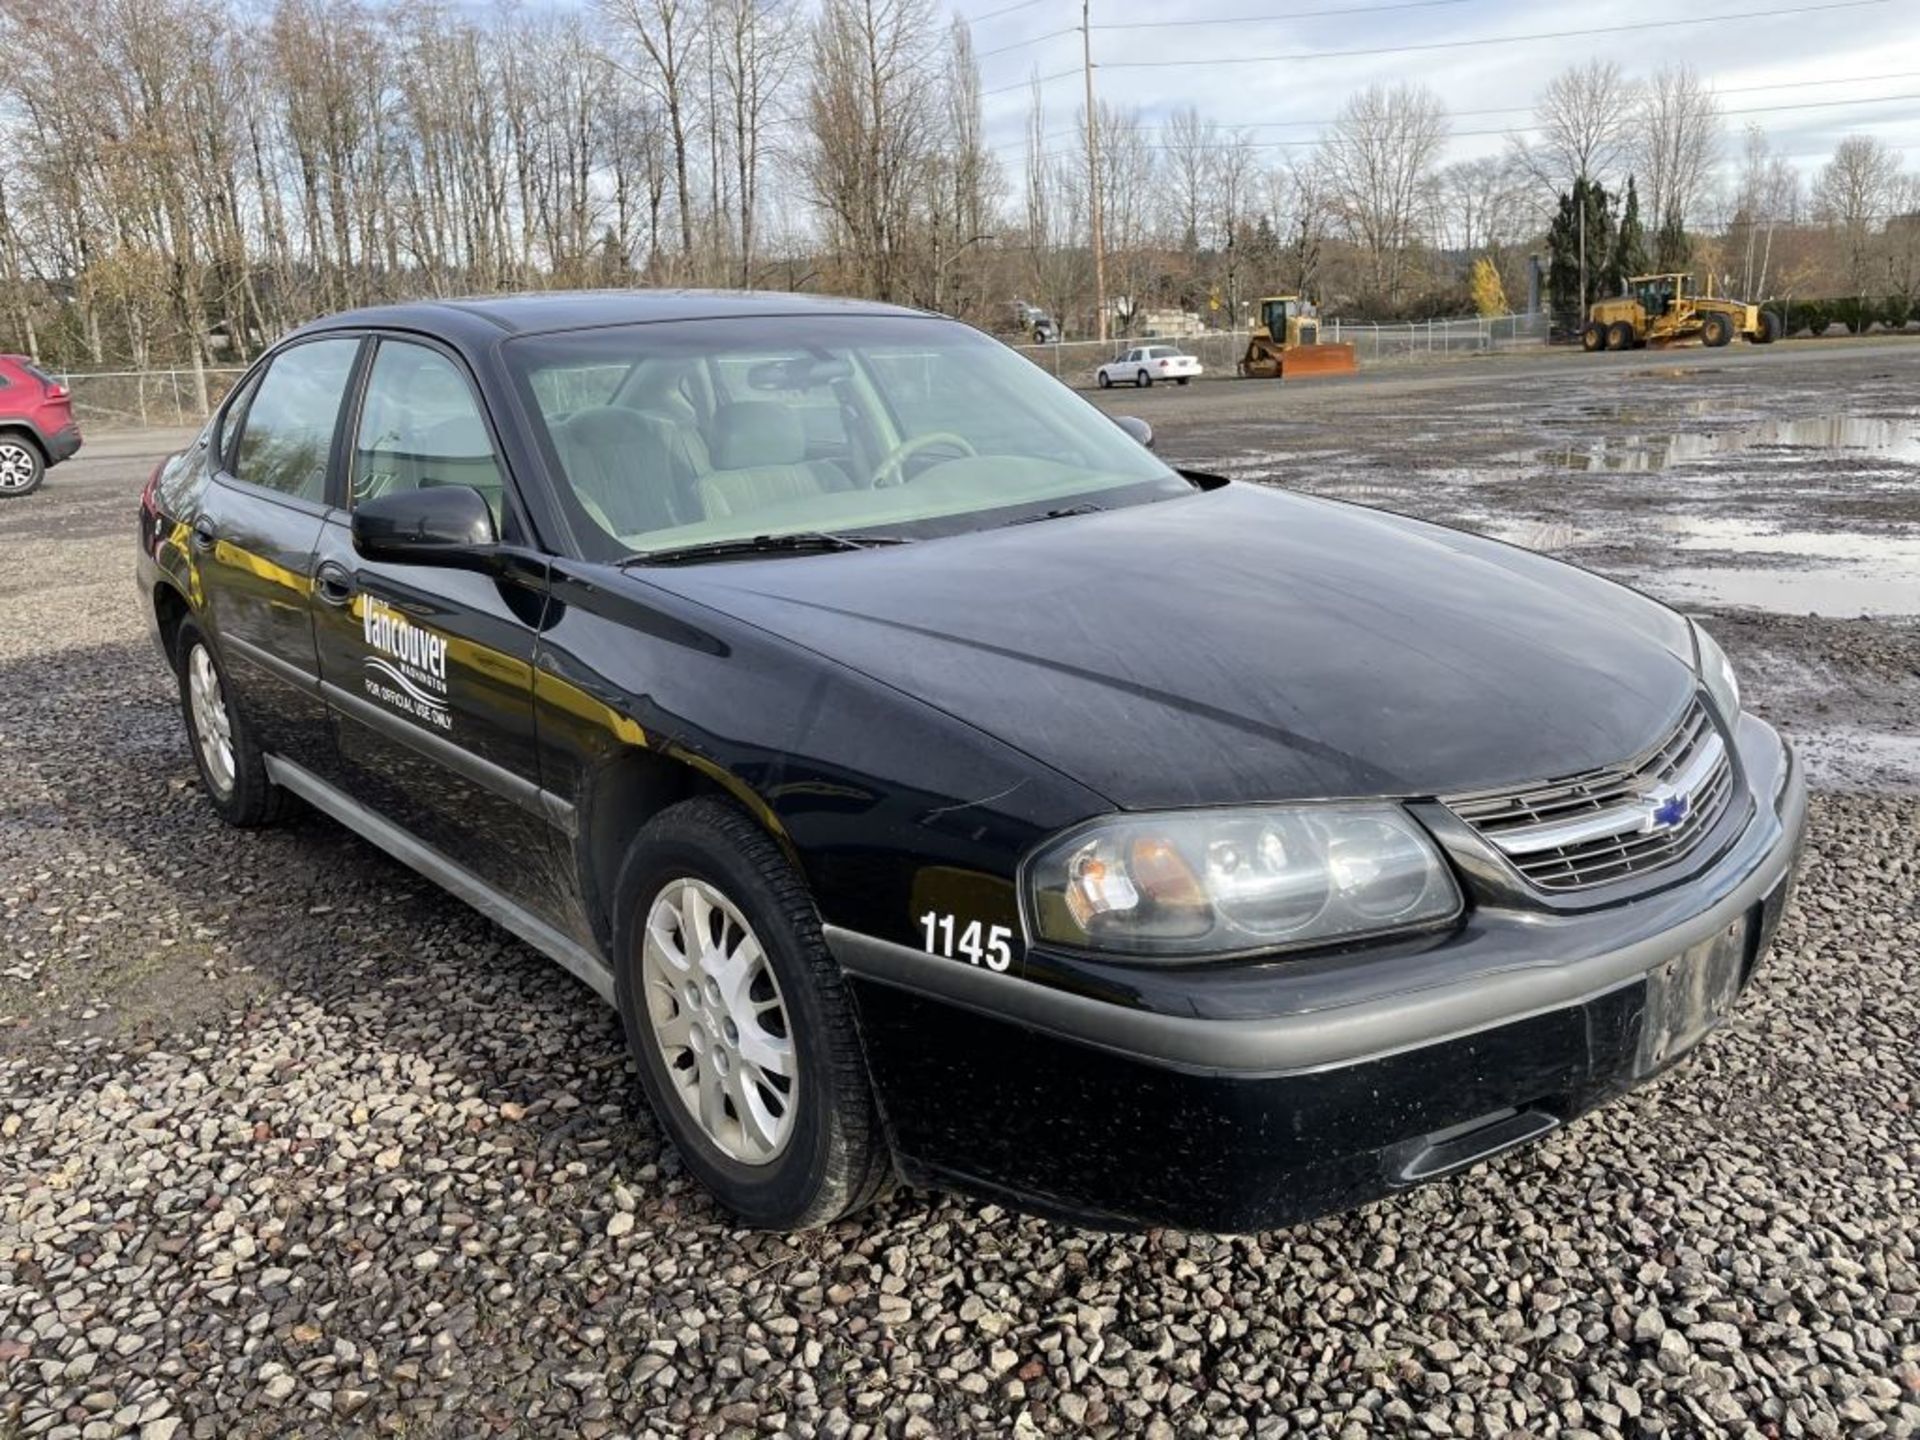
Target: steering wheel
907,449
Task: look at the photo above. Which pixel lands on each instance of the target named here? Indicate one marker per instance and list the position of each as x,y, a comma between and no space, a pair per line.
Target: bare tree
1234,178
667,38
1128,184
1191,146
1767,194
1585,121
1378,163
758,43
870,115
1585,118
1852,193
1482,207
1676,146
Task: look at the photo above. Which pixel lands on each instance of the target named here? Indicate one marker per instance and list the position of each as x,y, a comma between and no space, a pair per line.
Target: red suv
37,428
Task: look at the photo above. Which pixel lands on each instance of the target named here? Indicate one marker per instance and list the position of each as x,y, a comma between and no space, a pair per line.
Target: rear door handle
332,585
204,535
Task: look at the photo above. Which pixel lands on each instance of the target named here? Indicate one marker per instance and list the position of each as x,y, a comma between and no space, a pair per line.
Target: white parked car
1145,364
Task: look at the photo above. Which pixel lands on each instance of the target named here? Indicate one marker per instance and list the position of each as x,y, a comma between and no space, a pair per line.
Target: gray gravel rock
293,1144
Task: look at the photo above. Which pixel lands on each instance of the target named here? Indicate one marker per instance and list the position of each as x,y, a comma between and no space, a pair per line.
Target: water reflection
1895,440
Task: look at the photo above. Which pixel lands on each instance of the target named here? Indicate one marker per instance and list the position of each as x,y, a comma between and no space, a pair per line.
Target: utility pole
1093,176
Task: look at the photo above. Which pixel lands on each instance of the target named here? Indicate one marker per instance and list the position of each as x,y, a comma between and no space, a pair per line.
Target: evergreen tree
1563,250
1630,245
1672,247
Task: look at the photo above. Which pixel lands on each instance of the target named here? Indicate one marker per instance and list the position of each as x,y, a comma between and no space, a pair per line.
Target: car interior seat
621,467
759,452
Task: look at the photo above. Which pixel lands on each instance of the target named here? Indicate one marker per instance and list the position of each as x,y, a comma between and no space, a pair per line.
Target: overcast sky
1864,50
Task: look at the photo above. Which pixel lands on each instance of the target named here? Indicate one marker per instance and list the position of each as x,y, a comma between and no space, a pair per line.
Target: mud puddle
1890,441
1840,592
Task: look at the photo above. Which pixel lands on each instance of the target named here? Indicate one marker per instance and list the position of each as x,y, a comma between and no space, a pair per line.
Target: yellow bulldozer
1658,309
1285,344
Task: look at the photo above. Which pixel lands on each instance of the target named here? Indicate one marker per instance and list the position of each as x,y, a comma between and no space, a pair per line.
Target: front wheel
1106,380
1716,330
22,467
740,1023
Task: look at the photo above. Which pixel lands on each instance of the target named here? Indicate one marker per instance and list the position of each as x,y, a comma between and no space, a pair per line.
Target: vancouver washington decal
409,670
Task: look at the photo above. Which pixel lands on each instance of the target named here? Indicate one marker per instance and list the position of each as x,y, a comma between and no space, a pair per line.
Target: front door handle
204,535
332,585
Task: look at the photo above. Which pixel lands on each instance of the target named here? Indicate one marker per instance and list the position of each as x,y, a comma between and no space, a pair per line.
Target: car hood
1241,644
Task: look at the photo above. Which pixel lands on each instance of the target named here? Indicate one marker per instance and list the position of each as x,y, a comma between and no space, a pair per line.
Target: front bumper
1245,1097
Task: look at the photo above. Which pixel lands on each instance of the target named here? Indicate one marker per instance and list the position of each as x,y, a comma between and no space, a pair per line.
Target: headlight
1215,882
1716,673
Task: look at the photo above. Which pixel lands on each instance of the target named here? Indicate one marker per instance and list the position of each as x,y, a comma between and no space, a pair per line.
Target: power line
1032,40
1528,109
1003,10
1034,80
1283,15
1516,130
1484,40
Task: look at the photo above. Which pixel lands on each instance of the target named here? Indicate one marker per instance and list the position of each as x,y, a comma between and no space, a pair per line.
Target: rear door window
287,435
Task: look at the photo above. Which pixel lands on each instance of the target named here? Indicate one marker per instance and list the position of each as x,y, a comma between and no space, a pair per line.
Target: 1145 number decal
977,944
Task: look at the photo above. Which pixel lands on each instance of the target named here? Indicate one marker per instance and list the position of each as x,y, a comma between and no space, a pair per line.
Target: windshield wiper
1060,514
798,542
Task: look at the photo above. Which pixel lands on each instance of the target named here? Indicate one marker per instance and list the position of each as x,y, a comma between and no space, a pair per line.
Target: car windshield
692,433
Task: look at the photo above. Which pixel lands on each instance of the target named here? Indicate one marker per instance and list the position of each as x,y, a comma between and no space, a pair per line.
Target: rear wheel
1770,328
1716,330
1181,379
224,752
1143,378
740,1022
1593,338
1620,335
22,467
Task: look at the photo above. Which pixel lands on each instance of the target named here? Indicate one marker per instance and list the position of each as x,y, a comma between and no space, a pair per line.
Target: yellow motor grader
1286,344
1658,309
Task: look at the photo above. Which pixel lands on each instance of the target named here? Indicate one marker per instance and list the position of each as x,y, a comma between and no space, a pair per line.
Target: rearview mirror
1137,428
440,525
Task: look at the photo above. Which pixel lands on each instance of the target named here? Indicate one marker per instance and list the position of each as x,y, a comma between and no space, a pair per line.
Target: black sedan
943,787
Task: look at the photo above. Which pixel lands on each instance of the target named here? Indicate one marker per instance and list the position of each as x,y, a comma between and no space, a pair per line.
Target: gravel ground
290,1144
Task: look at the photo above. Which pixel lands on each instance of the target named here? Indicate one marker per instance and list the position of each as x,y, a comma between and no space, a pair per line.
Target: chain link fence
1219,351
114,399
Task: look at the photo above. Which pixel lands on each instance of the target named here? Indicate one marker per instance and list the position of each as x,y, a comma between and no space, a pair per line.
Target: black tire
22,466
1181,379
1106,380
1770,328
1142,379
836,1159
249,799
1620,336
1716,330
1593,339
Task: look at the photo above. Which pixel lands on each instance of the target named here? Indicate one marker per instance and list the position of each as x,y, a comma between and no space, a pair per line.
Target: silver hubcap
720,1021
212,730
16,466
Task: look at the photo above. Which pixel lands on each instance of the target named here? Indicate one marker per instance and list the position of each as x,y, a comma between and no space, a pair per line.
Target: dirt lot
292,1144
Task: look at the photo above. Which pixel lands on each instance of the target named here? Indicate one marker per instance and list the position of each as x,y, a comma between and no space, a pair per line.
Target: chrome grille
1613,823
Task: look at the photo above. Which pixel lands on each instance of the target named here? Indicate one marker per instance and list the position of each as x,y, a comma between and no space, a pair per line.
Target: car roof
482,317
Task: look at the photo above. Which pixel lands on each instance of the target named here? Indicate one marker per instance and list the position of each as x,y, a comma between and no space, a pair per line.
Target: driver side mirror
440,525
1139,429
